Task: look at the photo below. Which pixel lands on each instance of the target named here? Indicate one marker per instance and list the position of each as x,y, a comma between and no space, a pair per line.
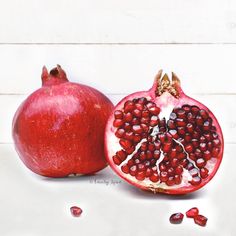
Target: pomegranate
200,220
163,140
76,211
58,130
176,218
191,213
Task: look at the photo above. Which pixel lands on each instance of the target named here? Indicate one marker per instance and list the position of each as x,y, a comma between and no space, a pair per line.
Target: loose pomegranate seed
76,211
200,220
191,213
176,218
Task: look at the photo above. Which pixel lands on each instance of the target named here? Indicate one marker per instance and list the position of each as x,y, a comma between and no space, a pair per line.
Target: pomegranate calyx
164,84
56,76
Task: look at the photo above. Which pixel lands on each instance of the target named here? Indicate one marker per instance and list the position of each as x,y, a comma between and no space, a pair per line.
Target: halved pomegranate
164,141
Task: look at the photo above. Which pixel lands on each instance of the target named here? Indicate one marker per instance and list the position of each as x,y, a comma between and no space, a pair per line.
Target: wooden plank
222,106
105,21
120,68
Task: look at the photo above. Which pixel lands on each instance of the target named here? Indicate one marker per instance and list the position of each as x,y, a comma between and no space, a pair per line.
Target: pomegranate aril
181,130
170,181
118,114
190,127
119,133
127,126
186,107
204,172
200,220
216,142
173,116
122,155
154,110
174,133
171,171
118,123
198,153
174,162
176,218
194,109
144,127
199,120
76,211
180,122
191,117
188,148
191,213
150,104
154,177
145,114
149,172
137,129
125,144
206,126
166,147
130,162
139,106
195,143
179,170
177,179
196,135
128,117
142,100
207,155
144,146
140,175
141,167
215,151
181,113
181,156
156,154
133,170
200,162
203,114
154,121
116,160
192,156
145,120
162,167
129,106
125,169
163,176
149,154
189,166
130,150
135,121
195,180
173,153
137,138
129,135
137,113
171,124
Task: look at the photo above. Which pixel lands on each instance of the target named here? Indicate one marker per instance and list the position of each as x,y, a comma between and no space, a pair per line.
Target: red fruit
190,141
58,130
176,218
76,211
200,220
191,213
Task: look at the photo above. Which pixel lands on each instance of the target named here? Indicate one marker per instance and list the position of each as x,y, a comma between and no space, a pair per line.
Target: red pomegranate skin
58,130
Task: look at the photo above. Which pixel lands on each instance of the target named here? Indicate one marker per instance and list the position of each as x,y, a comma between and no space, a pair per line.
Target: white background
117,47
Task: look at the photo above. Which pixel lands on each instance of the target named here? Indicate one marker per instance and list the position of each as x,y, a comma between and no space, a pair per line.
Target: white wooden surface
117,47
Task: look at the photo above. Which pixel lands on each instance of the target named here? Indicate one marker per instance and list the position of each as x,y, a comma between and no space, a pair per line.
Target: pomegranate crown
55,76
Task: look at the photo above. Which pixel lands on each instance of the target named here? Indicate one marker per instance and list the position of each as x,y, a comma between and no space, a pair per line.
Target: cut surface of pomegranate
163,140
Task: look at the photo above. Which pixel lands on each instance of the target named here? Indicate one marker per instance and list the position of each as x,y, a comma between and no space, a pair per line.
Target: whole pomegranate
164,141
58,130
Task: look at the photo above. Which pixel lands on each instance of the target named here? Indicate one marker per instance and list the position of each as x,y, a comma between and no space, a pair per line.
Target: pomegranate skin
58,130
174,172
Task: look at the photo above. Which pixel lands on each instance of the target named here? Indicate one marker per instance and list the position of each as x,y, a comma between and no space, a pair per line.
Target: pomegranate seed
122,155
154,177
180,122
198,153
203,146
157,144
207,155
141,167
163,176
149,154
195,180
206,126
144,146
150,104
129,135
125,143
176,218
181,113
118,114
145,120
144,127
118,123
125,169
200,220
156,154
167,147
190,127
142,100
189,166
194,109
204,172
208,136
128,117
177,179
139,106
127,127
130,150
145,114
76,211
186,107
203,114
137,129
137,113
140,175
174,162
154,121
190,117
173,153
171,124
216,142
149,172
179,170
191,213
215,151
162,167
170,181
116,160
171,171
174,133
200,162
142,156
135,121
199,120
181,130
195,143
119,133
133,170
181,156
192,156
184,162
137,138
129,106
188,148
